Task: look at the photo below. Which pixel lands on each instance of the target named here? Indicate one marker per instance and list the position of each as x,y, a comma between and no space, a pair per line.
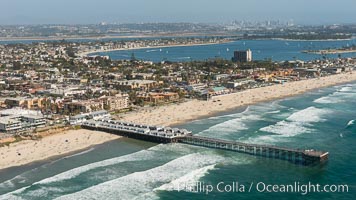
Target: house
143,85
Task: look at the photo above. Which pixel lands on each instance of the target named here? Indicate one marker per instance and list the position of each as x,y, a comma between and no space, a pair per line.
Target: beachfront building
34,120
307,72
333,70
216,91
239,84
200,87
99,114
77,119
10,125
81,118
118,102
242,56
20,120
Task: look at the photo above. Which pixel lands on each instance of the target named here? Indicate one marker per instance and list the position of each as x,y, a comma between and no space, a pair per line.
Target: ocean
323,119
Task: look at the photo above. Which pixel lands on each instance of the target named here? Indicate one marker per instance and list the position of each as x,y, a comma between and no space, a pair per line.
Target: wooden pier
169,135
297,156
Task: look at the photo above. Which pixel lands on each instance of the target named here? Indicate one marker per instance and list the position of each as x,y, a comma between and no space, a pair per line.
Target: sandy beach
187,111
28,151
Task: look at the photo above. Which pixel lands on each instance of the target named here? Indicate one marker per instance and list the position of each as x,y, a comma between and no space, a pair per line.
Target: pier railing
297,156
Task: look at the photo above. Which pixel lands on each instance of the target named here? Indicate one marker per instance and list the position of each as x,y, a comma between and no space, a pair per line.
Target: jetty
162,134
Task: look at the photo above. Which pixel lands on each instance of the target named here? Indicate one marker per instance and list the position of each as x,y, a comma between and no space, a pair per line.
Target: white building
17,123
79,119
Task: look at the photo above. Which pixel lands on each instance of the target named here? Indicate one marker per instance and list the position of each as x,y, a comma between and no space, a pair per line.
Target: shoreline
54,145
3,39
313,40
82,54
335,51
178,114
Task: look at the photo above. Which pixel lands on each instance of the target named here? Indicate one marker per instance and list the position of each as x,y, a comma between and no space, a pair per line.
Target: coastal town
172,100
46,86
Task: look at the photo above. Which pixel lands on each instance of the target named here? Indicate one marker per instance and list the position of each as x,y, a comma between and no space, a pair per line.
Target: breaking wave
186,181
22,178
341,95
138,184
158,152
138,156
229,127
297,123
141,155
310,114
80,153
350,123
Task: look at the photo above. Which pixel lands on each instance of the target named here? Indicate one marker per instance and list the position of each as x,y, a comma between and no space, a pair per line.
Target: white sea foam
141,155
10,183
350,123
80,153
12,195
274,112
230,126
286,128
265,139
140,183
156,152
297,123
341,95
182,58
310,114
22,177
236,114
346,89
328,100
186,181
153,50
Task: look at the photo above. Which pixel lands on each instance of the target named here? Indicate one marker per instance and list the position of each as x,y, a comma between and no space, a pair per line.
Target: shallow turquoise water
129,169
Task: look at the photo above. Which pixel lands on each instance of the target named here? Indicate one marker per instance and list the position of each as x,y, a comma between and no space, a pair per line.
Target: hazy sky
210,11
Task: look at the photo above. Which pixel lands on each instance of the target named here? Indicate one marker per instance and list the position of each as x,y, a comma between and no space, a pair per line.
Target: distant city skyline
196,11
